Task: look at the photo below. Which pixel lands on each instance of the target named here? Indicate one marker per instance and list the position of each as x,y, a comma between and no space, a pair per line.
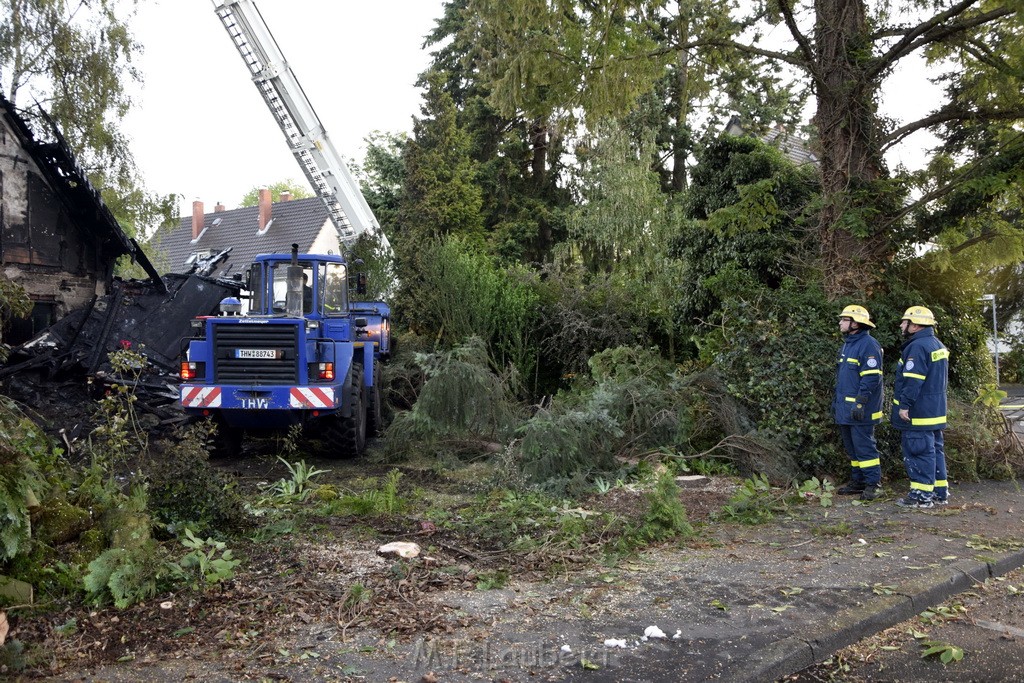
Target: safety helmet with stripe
919,315
857,314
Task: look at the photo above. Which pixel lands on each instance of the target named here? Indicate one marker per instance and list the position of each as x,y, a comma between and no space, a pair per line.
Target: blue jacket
921,380
859,380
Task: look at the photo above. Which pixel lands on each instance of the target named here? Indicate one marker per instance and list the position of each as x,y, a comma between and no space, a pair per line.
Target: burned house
58,240
247,231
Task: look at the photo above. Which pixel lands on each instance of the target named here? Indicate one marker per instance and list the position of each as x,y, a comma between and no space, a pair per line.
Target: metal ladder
323,167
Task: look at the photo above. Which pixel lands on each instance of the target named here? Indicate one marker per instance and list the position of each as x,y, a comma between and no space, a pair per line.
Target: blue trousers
941,483
865,463
919,458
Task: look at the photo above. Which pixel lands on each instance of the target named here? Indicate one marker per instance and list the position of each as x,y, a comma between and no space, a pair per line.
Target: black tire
346,436
375,405
226,442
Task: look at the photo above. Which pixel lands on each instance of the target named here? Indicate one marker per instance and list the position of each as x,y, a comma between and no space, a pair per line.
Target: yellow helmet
919,315
857,314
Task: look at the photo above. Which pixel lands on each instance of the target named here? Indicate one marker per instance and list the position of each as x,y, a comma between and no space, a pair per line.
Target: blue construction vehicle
304,354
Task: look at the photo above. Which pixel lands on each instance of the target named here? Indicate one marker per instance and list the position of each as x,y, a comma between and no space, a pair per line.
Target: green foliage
815,489
727,244
755,502
14,303
118,435
207,563
297,487
463,293
632,403
944,651
623,226
298,191
383,500
666,516
126,576
23,450
462,398
186,491
777,356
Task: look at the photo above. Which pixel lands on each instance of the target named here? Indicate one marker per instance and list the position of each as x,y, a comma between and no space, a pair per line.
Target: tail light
322,371
192,370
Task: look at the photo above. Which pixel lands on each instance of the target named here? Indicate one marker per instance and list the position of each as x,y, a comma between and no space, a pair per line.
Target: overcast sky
201,129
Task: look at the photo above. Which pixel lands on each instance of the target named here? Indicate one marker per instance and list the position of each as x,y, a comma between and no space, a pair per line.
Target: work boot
941,501
911,502
870,492
853,488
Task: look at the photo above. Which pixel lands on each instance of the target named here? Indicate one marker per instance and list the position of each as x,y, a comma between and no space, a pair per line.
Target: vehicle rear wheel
346,436
226,442
375,406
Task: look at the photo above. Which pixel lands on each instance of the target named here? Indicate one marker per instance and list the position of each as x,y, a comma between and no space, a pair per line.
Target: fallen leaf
4,627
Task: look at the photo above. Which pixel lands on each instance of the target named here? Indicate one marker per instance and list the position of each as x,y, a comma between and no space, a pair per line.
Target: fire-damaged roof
299,221
80,199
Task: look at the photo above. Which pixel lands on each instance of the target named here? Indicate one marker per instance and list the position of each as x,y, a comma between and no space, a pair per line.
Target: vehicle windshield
279,286
324,288
335,289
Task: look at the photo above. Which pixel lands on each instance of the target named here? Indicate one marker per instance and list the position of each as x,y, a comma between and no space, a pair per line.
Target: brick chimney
286,196
197,218
218,207
264,208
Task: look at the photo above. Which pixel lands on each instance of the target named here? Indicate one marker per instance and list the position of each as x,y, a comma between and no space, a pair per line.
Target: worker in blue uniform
857,405
919,409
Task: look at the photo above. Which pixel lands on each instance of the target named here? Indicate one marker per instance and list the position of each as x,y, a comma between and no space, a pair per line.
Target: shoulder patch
910,364
872,362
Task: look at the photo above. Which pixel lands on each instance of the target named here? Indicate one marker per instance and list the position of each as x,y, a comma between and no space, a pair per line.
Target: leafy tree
75,59
601,57
623,227
382,175
297,190
671,64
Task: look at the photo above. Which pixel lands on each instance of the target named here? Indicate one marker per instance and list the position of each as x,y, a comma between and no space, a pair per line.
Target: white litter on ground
615,642
654,632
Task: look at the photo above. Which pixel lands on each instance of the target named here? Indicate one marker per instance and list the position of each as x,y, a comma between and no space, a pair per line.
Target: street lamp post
991,298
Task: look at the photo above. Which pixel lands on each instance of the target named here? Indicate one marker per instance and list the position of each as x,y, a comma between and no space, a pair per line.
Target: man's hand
905,414
858,413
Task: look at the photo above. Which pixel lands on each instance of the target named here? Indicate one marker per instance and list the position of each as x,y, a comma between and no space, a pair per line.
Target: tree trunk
849,152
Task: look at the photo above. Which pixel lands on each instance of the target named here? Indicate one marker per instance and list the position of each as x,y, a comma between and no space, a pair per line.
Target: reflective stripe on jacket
859,380
922,375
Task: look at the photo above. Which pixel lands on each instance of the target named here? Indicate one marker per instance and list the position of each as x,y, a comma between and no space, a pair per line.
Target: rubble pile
61,371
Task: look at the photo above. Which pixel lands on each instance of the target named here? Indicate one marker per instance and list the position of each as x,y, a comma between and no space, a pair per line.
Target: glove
858,413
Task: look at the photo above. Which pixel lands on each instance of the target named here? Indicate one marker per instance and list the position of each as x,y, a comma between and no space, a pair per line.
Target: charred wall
41,248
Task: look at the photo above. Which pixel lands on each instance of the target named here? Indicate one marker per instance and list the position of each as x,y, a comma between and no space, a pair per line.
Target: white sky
201,129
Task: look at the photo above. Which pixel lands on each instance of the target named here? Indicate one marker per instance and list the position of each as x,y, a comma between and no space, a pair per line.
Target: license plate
258,354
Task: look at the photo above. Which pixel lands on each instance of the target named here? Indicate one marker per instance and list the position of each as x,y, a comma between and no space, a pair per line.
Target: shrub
185,490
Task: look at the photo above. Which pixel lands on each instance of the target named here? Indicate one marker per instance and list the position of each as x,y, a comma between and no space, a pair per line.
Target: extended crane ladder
296,118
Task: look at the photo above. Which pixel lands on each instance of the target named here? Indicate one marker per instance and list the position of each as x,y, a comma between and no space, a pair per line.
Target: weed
209,561
754,502
296,488
486,581
838,530
815,489
379,501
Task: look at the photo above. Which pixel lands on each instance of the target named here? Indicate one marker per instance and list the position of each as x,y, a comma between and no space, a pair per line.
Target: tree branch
932,31
805,47
944,115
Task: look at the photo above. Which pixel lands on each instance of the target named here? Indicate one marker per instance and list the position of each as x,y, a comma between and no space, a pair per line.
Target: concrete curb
789,655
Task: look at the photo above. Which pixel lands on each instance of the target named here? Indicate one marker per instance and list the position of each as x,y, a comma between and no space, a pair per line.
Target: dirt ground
315,601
